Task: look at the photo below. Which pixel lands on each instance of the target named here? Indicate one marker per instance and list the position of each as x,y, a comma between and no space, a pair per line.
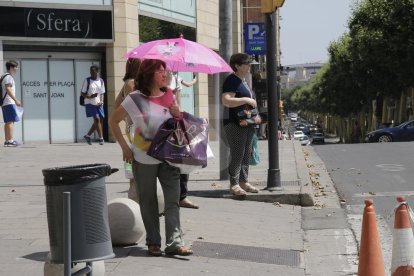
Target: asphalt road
377,171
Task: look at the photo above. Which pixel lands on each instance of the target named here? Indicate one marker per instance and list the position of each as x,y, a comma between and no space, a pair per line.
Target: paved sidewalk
229,237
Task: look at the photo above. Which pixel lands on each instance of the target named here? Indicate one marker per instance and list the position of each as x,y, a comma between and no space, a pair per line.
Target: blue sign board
254,38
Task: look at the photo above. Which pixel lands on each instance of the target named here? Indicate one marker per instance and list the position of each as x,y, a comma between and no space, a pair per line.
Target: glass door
62,101
48,85
35,100
83,123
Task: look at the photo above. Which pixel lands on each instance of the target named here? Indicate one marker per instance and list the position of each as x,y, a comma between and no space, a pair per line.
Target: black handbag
248,113
82,100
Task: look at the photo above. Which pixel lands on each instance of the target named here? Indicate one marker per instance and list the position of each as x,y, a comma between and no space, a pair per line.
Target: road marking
376,194
391,167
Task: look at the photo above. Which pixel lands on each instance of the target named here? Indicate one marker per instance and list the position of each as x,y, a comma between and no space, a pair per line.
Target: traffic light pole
273,174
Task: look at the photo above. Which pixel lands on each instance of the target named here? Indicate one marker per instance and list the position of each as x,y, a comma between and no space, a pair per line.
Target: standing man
9,102
175,83
93,90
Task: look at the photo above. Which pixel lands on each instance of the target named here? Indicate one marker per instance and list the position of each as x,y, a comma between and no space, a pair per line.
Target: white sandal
249,188
237,190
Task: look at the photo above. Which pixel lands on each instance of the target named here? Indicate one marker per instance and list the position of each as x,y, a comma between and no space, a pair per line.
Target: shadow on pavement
132,250
37,256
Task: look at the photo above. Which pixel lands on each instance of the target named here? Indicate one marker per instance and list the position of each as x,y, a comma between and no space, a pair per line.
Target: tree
374,60
340,86
289,104
154,29
382,45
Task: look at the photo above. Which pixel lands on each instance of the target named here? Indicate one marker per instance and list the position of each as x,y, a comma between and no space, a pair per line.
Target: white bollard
125,222
132,194
160,198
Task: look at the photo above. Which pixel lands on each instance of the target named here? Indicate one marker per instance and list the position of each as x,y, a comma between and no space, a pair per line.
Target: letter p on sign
252,30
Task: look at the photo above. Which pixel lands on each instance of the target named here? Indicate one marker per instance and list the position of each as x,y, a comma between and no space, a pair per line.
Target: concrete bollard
125,222
132,194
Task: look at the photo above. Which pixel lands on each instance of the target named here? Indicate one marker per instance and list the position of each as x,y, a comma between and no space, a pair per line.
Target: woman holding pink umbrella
238,98
148,108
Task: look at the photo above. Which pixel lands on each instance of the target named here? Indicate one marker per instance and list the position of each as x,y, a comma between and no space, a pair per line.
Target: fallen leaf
277,204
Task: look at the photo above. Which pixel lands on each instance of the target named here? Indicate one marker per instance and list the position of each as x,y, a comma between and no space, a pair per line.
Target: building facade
56,41
299,74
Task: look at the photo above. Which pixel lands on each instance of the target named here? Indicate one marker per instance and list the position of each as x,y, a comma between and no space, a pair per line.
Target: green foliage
154,29
382,34
375,59
149,28
288,102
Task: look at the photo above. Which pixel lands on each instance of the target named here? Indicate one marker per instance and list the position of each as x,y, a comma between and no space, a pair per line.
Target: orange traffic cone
403,241
371,262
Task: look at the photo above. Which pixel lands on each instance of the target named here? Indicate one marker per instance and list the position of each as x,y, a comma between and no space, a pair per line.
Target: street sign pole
226,38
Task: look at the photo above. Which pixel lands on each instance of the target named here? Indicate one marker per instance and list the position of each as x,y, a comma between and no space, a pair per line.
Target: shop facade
56,41
54,45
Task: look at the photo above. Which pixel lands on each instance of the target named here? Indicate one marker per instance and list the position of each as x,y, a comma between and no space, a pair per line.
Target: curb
301,195
306,191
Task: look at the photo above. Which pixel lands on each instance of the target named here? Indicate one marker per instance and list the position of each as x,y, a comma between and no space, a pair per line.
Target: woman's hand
251,102
257,120
127,155
243,123
175,111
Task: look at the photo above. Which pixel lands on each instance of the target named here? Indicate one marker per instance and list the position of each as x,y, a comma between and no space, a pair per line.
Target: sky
308,27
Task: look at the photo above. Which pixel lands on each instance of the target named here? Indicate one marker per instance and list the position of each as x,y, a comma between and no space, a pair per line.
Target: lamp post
269,7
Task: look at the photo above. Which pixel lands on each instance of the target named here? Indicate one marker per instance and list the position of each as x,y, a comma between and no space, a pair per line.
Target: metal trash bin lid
75,174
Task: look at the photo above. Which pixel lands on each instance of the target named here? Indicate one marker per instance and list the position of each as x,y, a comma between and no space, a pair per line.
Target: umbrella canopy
182,55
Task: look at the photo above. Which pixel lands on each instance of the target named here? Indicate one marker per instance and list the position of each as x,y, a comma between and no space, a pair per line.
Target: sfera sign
61,23
56,23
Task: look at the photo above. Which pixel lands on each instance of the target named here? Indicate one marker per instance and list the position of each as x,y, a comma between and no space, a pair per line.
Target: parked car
403,132
304,140
298,134
318,137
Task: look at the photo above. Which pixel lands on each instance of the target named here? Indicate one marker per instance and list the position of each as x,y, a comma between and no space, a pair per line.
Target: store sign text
47,22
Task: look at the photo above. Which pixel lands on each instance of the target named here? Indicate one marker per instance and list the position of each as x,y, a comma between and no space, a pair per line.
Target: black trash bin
91,239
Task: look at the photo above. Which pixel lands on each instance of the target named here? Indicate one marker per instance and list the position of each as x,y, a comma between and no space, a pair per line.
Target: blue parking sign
254,38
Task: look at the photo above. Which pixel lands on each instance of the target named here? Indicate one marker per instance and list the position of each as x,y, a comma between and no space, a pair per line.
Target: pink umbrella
181,55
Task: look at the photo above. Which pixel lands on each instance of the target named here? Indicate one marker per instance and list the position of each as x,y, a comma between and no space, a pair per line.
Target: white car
298,134
304,140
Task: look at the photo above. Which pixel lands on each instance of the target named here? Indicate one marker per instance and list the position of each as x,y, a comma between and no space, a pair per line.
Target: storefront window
153,29
70,2
170,10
